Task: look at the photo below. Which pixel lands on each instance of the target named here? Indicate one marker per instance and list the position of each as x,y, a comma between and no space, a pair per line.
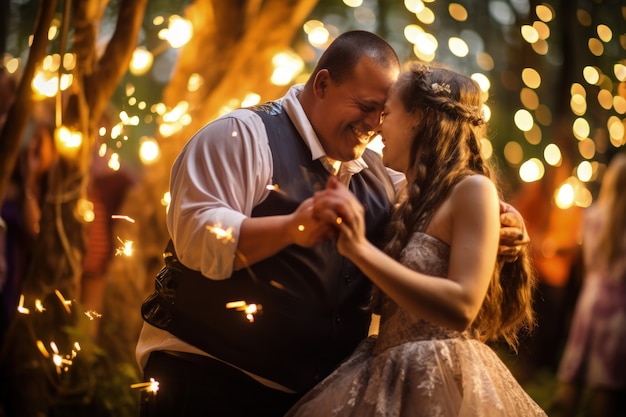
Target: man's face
348,113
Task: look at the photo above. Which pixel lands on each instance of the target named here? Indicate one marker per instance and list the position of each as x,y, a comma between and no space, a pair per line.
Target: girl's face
397,131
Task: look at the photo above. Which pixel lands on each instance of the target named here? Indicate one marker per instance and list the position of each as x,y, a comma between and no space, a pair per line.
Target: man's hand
340,208
513,234
307,229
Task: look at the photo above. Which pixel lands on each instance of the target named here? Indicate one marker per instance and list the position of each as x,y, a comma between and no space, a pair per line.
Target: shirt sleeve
221,174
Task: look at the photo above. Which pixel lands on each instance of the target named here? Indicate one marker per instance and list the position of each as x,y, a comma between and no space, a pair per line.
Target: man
243,231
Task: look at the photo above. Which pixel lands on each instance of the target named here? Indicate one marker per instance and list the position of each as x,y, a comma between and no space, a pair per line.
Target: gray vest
312,299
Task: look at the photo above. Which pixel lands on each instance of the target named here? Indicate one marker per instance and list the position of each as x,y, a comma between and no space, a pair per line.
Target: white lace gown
415,368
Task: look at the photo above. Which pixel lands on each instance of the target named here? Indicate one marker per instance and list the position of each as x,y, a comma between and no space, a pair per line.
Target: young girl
444,292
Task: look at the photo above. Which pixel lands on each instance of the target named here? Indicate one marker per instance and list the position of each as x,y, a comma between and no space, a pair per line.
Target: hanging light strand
63,40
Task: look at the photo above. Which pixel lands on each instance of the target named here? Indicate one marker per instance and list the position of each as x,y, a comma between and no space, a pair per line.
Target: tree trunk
35,384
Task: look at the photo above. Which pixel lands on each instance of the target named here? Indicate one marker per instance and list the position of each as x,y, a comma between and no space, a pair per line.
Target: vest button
337,319
347,277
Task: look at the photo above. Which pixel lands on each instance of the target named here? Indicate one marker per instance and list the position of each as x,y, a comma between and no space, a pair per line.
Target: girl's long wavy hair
445,149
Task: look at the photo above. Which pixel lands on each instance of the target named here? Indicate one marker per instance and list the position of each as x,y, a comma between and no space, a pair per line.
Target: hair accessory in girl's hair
440,88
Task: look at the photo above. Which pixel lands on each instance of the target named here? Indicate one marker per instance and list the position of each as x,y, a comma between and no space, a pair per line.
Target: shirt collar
294,110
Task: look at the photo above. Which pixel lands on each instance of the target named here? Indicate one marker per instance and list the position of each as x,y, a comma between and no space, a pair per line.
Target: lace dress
417,369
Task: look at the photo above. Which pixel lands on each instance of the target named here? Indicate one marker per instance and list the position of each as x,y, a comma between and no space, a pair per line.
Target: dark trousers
194,385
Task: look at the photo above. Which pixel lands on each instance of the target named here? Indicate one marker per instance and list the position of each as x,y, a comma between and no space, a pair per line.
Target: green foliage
88,383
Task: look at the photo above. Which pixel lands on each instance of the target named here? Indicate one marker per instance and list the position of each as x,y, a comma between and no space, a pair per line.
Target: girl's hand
338,207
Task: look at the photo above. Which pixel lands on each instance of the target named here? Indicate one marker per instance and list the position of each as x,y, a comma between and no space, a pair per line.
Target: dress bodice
429,255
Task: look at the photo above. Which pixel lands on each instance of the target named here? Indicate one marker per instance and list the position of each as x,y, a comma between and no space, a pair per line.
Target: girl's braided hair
446,148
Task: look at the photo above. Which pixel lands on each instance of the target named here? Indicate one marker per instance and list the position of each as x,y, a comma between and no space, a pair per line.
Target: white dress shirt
220,175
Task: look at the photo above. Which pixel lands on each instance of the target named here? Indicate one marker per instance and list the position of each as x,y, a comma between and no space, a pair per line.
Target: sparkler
151,386
122,217
249,309
38,306
275,187
20,306
92,314
225,235
66,303
126,249
62,362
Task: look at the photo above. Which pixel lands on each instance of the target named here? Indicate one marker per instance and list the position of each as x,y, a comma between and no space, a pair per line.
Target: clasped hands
335,213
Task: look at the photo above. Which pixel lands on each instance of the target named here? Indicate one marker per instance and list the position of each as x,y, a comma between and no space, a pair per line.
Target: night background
139,77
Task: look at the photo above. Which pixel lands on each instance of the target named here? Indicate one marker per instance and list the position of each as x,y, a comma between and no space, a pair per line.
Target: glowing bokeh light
195,81
587,148
482,80
620,71
457,12
619,104
584,171
543,30
414,6
148,150
534,135
67,141
412,33
552,155
178,33
529,98
523,120
578,104
458,47
251,99
319,36
531,78
141,61
532,170
591,75
595,46
85,209
287,65
426,16
544,12
426,45
616,129
604,33
486,148
513,152
529,33
564,196
581,128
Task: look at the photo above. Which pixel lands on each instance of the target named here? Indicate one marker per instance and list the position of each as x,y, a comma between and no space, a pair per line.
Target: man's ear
320,83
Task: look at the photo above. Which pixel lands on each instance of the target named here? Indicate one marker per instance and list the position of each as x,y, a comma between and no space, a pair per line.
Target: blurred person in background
21,207
594,358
